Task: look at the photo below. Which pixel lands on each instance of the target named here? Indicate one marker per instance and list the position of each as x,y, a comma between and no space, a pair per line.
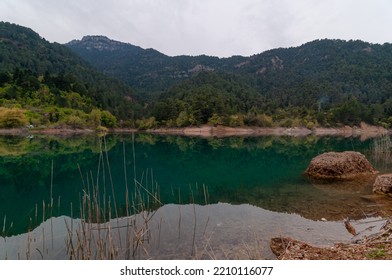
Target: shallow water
240,191
216,231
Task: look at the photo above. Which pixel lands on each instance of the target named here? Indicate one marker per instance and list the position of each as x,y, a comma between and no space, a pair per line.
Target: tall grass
105,229
99,235
381,152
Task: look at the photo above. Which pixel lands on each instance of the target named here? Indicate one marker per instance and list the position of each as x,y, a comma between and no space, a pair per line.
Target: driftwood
384,235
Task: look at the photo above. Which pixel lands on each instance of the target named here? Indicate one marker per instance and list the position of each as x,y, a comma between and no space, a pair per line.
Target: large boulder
339,165
383,184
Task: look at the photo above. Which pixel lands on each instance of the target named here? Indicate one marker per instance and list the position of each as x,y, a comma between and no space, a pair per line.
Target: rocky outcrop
100,43
383,184
339,165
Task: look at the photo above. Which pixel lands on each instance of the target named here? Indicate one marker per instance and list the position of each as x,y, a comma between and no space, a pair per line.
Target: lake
173,197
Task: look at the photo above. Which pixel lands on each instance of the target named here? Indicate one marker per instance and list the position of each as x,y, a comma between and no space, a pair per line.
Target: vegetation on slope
47,101
321,83
45,83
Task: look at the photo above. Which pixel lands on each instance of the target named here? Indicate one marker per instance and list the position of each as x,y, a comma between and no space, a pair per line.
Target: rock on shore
339,165
383,184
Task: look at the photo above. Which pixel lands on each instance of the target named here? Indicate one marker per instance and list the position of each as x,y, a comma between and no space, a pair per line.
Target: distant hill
147,70
329,82
58,71
326,71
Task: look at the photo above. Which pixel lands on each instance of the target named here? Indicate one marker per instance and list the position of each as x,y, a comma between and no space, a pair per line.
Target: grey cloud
213,27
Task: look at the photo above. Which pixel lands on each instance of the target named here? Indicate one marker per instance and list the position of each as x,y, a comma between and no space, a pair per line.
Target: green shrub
215,119
262,120
182,119
75,122
94,118
236,120
144,124
107,119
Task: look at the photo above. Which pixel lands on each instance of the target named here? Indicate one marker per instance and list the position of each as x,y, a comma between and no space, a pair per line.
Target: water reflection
217,231
266,172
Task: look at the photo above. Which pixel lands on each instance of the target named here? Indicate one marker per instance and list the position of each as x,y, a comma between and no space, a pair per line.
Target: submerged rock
339,165
383,184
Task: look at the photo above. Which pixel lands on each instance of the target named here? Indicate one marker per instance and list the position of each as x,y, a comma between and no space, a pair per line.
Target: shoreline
365,245
45,131
364,131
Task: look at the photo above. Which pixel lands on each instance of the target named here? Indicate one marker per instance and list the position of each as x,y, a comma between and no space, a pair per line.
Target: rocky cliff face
100,43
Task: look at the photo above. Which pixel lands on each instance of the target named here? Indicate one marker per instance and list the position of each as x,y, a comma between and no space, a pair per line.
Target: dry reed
97,234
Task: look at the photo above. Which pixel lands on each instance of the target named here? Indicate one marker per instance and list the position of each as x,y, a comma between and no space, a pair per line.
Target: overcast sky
213,27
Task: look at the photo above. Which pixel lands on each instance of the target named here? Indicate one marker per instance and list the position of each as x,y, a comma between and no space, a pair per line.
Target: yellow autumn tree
12,117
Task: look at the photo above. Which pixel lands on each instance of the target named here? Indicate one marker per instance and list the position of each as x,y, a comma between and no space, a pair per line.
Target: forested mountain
324,82
50,83
147,70
321,83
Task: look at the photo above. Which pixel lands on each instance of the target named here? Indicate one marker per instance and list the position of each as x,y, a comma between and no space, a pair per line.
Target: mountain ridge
320,83
101,43
175,68
328,82
128,61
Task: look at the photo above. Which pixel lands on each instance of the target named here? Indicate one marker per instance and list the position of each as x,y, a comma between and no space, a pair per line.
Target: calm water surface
211,198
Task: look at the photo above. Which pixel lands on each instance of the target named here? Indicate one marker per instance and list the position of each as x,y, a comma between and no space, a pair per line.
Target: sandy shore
364,131
46,131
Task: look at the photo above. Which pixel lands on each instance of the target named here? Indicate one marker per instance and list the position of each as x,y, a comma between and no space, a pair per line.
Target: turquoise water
47,176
